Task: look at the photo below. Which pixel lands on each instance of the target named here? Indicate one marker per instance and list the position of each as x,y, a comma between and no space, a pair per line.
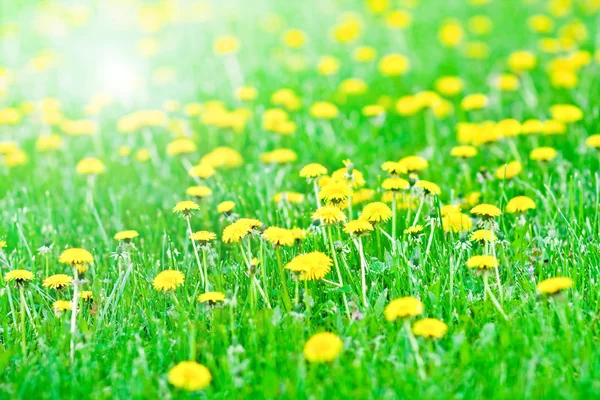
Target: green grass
547,348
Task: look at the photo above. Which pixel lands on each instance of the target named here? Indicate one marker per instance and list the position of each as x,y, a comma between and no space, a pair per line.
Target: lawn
299,199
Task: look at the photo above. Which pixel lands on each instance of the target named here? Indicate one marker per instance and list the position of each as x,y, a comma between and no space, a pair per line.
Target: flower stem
195,251
363,268
205,264
492,296
415,348
74,306
286,295
23,331
394,217
337,268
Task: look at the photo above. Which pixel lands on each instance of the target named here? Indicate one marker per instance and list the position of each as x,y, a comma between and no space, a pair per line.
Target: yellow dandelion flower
358,227
181,146
413,164
186,207
289,197
403,307
279,156
329,215
486,211
393,168
482,262
126,235
324,110
335,192
430,328
19,276
225,207
203,236
62,305
76,256
323,347
456,222
449,209
235,232
376,212
429,187
310,266
395,184
168,280
543,154
211,297
554,285
394,65
314,170
198,191
474,102
414,230
58,281
298,233
278,236
90,166
463,152
566,113
520,204
201,171
190,376
483,235
86,295
593,141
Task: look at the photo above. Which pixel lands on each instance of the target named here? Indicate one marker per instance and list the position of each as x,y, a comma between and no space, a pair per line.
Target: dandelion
310,266
86,295
429,188
509,171
463,152
201,171
593,141
413,164
483,235
335,192
181,146
395,184
19,276
329,214
225,207
278,236
543,154
58,281
519,204
60,306
186,208
312,171
126,236
190,376
199,192
168,280
376,212
211,297
486,211
323,347
414,230
552,286
456,222
203,236
236,232
90,166
430,328
485,263
405,308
